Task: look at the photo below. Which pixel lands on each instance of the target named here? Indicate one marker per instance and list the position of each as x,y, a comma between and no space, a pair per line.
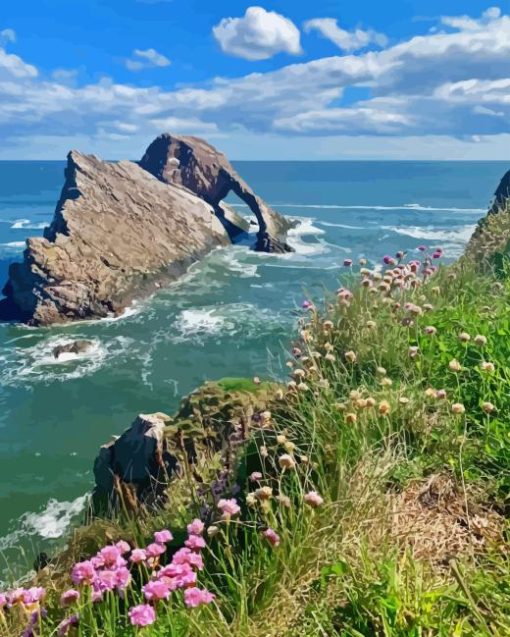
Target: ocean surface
231,315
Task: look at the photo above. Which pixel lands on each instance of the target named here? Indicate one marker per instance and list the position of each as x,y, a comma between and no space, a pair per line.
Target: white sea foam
27,224
13,244
305,228
406,206
341,225
461,234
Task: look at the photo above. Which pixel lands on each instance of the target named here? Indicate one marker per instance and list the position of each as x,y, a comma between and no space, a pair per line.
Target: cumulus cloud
144,59
6,36
258,35
346,40
451,83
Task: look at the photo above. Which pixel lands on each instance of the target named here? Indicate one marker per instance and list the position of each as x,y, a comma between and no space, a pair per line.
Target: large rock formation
198,166
119,230
502,194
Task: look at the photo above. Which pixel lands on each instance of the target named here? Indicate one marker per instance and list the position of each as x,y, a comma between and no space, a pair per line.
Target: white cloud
346,40
258,35
7,35
143,59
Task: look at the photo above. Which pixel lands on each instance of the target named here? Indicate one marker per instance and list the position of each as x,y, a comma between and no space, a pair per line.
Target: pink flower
66,624
105,580
388,260
195,542
83,572
142,615
255,476
178,576
69,597
138,556
193,597
196,527
437,254
123,547
162,537
111,556
306,305
229,507
186,556
422,248
123,578
3,600
97,596
155,550
313,499
156,590
33,595
347,263
440,394
272,537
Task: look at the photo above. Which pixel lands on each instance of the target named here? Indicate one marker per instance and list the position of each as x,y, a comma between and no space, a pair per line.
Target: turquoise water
230,315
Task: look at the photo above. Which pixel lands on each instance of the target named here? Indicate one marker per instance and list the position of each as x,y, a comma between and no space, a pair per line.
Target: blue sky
277,80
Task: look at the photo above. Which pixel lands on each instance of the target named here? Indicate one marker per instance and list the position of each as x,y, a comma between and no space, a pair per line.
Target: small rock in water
74,347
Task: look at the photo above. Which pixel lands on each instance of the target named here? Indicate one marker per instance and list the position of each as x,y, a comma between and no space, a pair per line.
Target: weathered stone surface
502,194
116,233
74,347
198,166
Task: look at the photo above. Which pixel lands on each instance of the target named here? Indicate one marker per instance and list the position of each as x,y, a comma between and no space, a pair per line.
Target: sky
283,79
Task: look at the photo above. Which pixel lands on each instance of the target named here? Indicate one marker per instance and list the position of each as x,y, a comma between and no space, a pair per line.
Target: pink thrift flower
255,476
33,595
195,542
186,556
69,597
123,547
66,624
105,580
137,556
111,556
272,536
313,499
306,305
162,537
194,597
347,263
156,590
142,615
3,600
422,248
196,527
83,572
229,507
155,550
123,578
97,596
388,260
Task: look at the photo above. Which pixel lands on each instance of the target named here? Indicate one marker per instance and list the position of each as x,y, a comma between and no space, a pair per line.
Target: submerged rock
116,231
199,167
74,347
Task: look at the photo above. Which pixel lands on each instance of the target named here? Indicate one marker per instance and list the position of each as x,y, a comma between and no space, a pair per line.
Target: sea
232,314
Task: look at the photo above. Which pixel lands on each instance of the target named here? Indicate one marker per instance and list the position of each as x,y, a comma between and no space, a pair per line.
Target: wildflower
340,406
272,536
371,401
263,493
162,537
307,305
362,261
413,351
458,408
251,500
371,324
69,597
123,547
350,356
156,590
327,325
290,447
214,530
279,394
83,572
330,357
284,500
386,382
347,263
122,578
403,400
430,330
384,407
296,352
291,385
323,383
286,461
195,542
313,499
142,615
303,387
66,624
110,556
304,459
361,403
194,597
228,507
428,307
381,371
265,418
422,248
487,366
388,260
464,337
440,394
263,451
430,392
255,477
256,380
437,254
138,556
155,550
480,340
351,418
455,366
488,408
196,527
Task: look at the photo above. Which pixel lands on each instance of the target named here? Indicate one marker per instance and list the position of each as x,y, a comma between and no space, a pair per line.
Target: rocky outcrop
117,233
193,163
502,194
159,453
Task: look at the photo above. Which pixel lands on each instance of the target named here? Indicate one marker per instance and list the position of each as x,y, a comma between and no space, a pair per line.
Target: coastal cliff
121,230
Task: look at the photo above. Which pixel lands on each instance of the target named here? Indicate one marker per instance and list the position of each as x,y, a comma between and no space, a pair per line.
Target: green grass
412,537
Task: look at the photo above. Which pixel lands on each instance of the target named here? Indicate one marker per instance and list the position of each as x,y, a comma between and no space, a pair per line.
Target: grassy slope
412,538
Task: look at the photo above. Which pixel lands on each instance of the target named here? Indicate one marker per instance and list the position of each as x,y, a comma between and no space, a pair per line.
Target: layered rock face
198,166
120,230
502,194
116,232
